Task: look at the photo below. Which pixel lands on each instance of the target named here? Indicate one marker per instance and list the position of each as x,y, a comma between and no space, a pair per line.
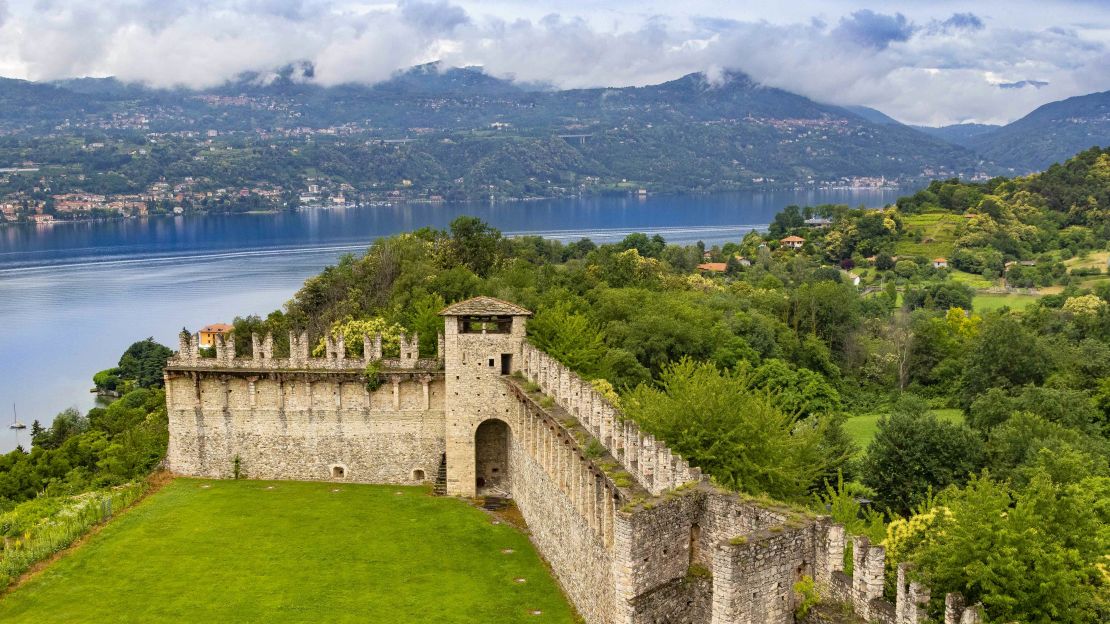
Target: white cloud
933,64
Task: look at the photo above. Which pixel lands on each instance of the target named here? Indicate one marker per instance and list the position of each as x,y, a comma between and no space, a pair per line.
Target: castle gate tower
483,340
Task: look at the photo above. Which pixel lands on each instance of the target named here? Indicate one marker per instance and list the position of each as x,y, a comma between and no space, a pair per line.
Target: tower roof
484,306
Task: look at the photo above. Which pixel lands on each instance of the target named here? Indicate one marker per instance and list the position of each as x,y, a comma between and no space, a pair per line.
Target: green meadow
986,302
863,428
258,551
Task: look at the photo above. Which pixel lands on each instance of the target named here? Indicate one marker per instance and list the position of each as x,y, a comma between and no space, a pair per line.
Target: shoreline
374,204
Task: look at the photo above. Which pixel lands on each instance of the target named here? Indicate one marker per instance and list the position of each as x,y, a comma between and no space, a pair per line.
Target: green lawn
862,428
970,279
254,551
985,302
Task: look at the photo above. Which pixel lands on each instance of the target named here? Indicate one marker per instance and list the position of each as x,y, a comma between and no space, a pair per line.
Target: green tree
735,433
143,362
1003,355
475,244
913,451
1035,555
569,337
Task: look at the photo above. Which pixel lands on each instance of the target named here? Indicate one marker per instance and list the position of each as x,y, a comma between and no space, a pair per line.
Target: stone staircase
440,488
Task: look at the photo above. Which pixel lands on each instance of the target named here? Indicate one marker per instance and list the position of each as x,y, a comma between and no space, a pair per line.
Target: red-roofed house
716,267
208,333
793,242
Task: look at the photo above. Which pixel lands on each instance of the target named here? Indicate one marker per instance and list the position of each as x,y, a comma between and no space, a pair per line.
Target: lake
74,296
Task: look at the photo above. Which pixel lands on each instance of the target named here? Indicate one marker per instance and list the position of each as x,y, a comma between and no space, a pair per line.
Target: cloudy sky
925,62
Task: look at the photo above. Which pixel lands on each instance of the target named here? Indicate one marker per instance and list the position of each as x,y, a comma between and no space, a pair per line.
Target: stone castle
633,533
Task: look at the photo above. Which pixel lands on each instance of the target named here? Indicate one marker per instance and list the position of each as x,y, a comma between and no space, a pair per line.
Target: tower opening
491,456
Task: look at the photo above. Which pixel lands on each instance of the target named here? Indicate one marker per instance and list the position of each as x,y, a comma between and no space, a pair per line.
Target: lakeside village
190,197
162,198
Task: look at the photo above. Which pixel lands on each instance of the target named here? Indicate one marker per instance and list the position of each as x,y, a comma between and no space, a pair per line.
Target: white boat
15,421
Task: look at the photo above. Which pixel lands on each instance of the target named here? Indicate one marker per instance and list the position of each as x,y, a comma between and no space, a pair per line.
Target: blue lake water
74,296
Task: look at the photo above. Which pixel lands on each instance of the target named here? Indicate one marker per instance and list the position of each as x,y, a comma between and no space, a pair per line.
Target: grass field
970,279
937,228
253,551
862,428
1096,260
985,302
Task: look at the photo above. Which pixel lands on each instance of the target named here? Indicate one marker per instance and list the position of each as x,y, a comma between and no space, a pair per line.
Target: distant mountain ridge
959,134
687,133
1050,134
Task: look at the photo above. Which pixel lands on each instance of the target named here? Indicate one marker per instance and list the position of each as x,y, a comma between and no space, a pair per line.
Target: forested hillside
450,131
1049,134
84,468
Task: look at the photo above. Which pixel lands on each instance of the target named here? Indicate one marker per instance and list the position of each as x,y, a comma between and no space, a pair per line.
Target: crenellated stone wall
650,462
302,417
632,531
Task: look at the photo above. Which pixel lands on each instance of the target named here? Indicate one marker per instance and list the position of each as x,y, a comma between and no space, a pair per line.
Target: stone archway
491,457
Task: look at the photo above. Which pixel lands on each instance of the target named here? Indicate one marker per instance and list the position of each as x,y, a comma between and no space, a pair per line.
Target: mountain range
692,133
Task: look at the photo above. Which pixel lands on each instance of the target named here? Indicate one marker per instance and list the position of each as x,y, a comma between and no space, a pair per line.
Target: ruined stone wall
569,504
661,549
575,551
753,579
686,600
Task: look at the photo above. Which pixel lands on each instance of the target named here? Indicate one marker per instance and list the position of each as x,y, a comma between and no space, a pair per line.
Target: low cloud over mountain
921,65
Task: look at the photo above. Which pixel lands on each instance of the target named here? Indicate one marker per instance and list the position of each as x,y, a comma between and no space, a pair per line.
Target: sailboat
15,421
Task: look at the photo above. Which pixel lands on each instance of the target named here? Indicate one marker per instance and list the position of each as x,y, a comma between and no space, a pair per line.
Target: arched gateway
483,340
491,458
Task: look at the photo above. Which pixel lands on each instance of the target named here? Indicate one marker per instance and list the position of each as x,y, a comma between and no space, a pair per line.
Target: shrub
372,374
807,596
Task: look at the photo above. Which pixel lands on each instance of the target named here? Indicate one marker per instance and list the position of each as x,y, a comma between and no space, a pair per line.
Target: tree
735,433
1031,555
1003,355
647,247
143,362
942,296
569,337
474,244
1027,442
65,425
354,330
785,221
913,451
425,320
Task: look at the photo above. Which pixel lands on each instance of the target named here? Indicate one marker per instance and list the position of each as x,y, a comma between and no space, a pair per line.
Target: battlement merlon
647,459
300,357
